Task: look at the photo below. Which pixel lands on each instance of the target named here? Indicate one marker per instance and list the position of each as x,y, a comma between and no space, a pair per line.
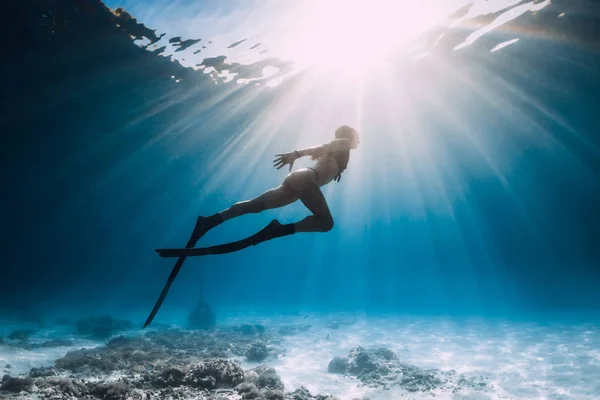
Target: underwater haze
464,258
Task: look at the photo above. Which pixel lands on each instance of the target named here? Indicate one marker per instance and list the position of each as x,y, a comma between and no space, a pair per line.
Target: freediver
303,184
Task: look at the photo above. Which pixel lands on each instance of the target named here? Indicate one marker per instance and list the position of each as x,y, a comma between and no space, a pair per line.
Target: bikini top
342,158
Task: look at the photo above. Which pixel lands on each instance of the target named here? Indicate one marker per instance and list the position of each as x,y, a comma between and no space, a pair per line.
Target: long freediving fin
271,231
165,290
191,242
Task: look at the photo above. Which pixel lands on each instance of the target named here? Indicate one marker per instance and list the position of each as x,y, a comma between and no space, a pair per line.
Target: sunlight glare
359,35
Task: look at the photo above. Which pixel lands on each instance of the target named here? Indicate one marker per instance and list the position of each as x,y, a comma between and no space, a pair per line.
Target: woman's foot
274,230
203,225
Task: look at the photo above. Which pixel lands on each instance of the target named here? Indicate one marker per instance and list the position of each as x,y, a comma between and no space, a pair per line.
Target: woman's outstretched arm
317,151
314,152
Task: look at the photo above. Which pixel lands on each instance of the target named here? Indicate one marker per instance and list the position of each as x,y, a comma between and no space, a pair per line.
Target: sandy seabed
511,359
520,360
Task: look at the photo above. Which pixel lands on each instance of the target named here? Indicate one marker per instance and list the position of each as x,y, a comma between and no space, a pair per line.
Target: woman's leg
301,184
274,198
304,185
321,220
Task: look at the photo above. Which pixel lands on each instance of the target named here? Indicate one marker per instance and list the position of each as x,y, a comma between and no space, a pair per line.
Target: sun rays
440,117
356,36
349,64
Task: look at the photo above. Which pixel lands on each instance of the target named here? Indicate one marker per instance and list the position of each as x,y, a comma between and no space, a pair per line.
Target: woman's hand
283,159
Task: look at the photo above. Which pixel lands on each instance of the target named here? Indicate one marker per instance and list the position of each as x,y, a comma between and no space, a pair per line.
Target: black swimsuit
316,173
342,158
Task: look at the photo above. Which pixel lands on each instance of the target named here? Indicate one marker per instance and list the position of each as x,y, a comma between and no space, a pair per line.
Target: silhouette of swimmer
303,184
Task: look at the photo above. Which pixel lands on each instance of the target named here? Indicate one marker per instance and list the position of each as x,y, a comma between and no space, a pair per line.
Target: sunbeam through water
380,199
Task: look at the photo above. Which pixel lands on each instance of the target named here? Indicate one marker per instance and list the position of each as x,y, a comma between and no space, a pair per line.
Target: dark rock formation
257,352
111,391
250,376
62,385
338,365
125,353
248,390
42,372
159,364
262,382
172,377
362,361
270,394
268,378
415,379
17,384
21,334
101,327
119,353
301,393
88,361
386,354
380,367
214,374
202,317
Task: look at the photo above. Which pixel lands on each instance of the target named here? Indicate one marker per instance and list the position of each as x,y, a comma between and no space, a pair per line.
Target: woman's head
347,132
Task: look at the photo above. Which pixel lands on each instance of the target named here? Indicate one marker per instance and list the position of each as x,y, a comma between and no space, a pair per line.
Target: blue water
474,193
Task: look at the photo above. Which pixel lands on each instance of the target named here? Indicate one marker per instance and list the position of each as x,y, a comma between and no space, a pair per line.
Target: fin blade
165,290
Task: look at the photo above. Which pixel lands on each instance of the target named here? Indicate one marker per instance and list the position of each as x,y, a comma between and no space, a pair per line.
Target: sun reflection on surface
357,35
353,38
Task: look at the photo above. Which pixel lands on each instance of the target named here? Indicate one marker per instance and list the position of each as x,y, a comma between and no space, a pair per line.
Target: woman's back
330,165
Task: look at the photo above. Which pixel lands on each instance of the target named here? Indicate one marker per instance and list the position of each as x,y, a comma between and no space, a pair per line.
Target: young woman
302,184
